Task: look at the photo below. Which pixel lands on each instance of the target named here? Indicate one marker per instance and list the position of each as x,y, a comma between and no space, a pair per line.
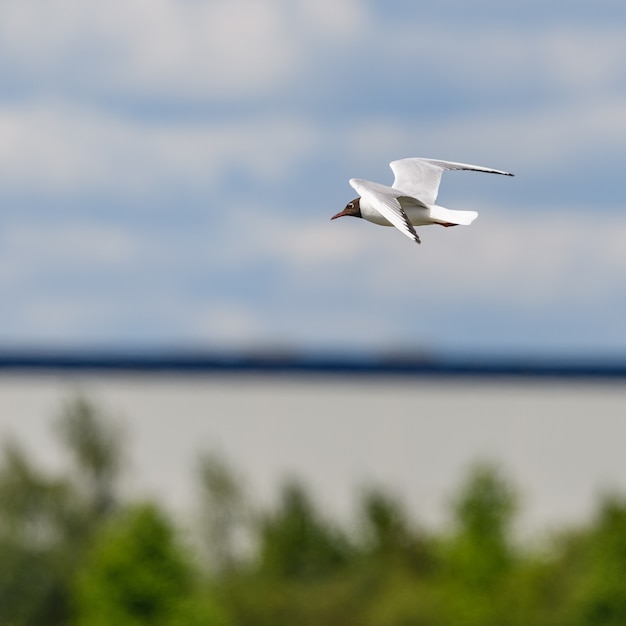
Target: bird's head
353,208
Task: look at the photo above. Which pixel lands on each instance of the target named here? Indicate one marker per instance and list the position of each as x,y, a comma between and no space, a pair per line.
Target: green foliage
480,551
36,551
138,574
389,539
296,543
73,554
603,596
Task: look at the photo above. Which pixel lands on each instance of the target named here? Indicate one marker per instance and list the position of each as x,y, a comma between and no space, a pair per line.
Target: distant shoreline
187,362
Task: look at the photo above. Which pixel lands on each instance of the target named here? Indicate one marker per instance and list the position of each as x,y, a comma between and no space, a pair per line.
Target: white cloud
228,324
57,146
585,60
215,50
77,244
225,50
574,59
162,49
528,141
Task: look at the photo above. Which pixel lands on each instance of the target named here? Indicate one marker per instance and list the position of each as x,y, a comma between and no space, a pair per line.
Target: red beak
341,214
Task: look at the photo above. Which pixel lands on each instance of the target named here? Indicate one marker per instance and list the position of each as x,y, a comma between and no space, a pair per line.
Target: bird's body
410,201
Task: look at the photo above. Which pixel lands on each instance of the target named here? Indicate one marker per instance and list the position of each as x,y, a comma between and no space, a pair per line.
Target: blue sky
168,171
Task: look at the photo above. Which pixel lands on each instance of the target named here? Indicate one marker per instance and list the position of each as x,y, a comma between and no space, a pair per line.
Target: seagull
410,201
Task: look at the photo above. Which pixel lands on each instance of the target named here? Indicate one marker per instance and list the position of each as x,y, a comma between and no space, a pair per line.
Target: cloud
69,244
61,147
531,142
586,60
215,50
64,140
225,51
229,324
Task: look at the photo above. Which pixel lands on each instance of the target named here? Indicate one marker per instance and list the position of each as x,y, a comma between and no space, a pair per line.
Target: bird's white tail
448,217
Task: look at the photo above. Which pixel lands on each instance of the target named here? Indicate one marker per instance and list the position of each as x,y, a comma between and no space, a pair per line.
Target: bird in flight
410,201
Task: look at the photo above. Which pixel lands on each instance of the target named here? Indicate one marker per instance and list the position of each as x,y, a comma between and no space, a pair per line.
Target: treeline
74,552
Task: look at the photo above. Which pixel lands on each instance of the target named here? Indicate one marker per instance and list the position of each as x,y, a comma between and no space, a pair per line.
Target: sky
168,170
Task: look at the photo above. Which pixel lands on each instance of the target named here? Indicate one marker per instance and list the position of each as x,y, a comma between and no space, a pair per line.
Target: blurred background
168,170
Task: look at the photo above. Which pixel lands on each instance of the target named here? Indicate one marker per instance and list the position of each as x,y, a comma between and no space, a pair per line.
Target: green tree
387,535
398,567
478,559
482,547
138,573
296,543
601,600
299,573
38,520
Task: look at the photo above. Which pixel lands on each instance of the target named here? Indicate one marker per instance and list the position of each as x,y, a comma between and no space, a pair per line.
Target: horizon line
282,361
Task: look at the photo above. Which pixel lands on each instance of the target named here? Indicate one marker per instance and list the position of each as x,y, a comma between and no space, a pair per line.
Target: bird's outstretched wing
420,178
386,201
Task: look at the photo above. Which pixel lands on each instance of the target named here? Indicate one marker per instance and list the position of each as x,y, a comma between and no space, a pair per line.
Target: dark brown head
353,208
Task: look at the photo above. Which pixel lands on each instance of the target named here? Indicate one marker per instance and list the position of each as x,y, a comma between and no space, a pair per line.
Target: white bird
410,201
